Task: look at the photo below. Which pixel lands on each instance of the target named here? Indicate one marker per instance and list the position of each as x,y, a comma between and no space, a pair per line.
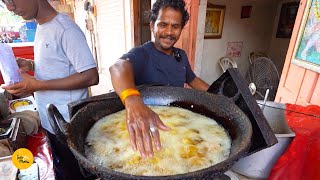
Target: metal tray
9,129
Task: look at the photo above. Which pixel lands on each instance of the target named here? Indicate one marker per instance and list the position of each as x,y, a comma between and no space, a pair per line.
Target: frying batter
193,143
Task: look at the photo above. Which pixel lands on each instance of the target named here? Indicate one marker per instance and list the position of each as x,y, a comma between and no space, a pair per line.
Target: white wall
278,46
255,33
200,36
79,16
112,35
112,38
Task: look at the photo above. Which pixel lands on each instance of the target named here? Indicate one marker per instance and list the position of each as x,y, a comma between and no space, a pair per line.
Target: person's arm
191,79
75,81
122,75
74,45
199,84
140,118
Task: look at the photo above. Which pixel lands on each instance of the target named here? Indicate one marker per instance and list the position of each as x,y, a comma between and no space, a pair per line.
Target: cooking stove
6,128
12,133
232,85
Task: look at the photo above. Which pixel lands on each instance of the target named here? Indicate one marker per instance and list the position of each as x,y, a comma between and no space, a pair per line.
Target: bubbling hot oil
193,143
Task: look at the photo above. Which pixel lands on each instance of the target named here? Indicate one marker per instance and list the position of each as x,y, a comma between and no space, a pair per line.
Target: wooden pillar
188,36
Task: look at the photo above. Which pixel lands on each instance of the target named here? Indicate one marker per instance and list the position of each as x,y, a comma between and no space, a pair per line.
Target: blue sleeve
138,58
189,73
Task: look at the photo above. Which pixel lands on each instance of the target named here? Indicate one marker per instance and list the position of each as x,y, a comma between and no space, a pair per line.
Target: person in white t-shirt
63,70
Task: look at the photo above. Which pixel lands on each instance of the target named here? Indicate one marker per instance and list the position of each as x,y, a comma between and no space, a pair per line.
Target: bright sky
7,18
1,5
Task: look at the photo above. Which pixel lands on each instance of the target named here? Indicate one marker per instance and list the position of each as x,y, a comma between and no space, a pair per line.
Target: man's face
167,28
27,9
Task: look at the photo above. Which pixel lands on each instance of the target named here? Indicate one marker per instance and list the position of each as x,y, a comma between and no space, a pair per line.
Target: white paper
8,65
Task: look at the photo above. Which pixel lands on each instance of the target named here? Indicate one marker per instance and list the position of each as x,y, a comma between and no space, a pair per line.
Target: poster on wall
307,48
287,18
234,49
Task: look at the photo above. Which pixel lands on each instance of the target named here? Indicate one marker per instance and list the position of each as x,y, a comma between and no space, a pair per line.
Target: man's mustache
169,37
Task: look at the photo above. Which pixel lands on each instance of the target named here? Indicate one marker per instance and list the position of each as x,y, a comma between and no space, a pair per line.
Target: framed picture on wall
214,21
307,48
287,18
246,11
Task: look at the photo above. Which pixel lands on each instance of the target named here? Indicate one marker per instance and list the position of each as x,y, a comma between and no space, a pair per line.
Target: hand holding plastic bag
8,65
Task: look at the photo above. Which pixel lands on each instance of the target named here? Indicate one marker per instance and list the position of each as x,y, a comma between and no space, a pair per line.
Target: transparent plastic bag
8,65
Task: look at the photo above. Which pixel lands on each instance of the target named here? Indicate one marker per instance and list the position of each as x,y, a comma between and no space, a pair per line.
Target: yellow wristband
128,92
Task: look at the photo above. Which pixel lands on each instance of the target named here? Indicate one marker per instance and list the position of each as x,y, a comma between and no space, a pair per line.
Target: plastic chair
254,55
226,63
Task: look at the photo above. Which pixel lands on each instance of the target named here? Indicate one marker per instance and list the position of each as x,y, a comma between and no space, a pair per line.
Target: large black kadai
90,110
239,115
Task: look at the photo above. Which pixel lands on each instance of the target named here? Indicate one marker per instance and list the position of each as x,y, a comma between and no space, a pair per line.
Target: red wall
21,52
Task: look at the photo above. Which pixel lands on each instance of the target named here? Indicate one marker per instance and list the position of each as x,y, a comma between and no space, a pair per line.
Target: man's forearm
76,81
122,76
199,84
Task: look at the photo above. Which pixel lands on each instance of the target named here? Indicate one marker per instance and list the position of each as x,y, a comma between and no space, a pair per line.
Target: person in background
5,38
156,62
63,68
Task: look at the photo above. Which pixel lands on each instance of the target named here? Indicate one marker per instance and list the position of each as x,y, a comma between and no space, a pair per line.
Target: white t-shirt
60,50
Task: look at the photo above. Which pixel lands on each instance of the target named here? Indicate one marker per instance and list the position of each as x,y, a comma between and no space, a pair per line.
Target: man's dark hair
175,4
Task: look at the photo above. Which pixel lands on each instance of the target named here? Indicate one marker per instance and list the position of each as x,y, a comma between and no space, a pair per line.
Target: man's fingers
156,139
3,86
11,87
24,75
132,135
21,95
23,70
16,92
161,125
139,141
147,142
19,60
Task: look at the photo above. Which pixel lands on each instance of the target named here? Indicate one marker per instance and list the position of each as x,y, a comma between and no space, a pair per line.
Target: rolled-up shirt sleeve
138,58
77,50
